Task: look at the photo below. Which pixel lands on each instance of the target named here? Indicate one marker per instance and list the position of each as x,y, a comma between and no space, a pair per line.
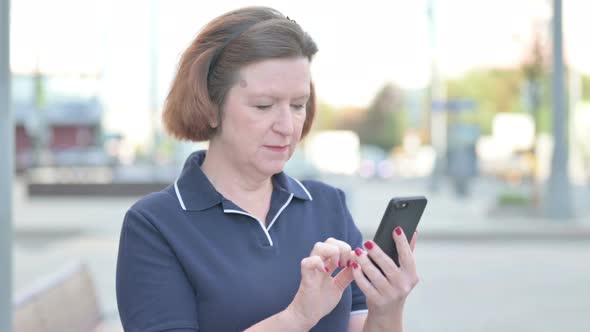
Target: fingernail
339,263
369,244
326,268
354,265
398,230
358,251
348,263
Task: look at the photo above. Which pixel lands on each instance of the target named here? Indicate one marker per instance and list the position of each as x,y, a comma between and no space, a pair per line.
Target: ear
213,118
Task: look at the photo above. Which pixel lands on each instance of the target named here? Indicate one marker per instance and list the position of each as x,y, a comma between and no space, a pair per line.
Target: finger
344,278
380,258
364,284
329,253
413,242
406,258
378,280
311,267
344,249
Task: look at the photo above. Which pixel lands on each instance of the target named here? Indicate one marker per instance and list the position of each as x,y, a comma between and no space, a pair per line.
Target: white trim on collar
178,195
304,189
264,229
258,220
280,210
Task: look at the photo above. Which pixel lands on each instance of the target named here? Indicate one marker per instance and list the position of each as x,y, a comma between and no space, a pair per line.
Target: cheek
244,125
298,124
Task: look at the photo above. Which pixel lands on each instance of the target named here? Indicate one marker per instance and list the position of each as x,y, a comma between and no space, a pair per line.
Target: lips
277,148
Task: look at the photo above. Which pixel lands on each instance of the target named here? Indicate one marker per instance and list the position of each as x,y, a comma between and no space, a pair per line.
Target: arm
365,323
153,292
318,292
394,323
285,321
356,322
386,293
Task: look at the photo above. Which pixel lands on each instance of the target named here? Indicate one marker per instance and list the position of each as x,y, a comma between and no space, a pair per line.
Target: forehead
276,77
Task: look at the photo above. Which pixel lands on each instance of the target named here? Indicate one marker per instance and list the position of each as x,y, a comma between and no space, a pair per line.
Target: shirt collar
195,192
292,186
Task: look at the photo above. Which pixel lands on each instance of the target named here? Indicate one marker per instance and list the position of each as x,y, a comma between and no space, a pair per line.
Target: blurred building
61,128
53,129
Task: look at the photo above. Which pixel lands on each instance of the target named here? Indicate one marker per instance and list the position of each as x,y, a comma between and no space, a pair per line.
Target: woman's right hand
319,292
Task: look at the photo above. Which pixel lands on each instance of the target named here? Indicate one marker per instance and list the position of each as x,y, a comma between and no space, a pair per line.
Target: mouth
277,148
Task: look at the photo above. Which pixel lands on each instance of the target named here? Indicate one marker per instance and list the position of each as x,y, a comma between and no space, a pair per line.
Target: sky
134,45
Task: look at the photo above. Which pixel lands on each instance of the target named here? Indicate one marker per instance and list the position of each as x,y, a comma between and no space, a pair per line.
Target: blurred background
464,101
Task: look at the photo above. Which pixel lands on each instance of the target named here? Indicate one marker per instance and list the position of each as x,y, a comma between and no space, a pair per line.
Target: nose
284,122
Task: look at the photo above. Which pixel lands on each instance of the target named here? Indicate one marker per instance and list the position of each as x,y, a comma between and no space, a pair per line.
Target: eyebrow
273,97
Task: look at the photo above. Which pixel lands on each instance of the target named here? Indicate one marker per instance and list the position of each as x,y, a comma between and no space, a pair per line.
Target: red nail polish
369,245
348,263
339,263
326,268
358,251
355,265
398,230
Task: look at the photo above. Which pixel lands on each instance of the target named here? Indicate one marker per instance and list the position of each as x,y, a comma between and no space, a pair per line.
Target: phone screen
401,211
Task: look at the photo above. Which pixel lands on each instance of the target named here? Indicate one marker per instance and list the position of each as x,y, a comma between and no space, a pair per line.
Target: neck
233,182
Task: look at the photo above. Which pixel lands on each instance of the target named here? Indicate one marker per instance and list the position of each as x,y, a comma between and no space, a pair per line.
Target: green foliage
513,199
501,90
586,88
494,90
384,122
544,121
325,117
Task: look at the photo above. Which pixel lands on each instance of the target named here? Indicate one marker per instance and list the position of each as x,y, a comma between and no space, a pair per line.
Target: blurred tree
494,90
325,117
535,67
381,124
384,122
586,88
522,89
349,118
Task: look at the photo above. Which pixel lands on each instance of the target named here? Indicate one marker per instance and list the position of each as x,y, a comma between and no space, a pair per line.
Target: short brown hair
209,67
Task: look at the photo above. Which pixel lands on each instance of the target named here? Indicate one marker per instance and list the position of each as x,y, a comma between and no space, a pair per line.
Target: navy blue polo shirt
189,259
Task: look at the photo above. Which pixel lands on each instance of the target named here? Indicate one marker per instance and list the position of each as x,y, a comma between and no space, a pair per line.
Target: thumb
344,278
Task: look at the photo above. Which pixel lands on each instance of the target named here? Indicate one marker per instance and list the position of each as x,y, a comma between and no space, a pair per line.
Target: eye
298,107
263,107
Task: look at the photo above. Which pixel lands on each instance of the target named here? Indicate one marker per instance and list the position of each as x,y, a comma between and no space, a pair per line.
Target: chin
273,167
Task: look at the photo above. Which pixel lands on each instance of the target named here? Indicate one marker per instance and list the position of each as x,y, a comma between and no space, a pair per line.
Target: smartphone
404,212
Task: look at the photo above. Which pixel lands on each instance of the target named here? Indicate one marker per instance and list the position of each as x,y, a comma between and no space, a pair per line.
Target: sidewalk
51,232
446,216
473,218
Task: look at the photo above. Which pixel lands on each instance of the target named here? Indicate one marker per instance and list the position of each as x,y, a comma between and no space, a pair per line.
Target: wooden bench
64,302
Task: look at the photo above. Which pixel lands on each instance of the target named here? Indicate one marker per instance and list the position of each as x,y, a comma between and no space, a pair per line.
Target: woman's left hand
386,292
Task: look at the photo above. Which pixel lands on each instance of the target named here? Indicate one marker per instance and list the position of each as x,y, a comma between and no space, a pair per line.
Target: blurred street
478,272
492,126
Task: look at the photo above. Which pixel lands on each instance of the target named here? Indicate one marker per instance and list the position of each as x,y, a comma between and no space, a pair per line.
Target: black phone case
401,211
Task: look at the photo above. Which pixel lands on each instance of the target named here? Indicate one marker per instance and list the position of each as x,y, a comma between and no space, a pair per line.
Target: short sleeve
153,292
354,239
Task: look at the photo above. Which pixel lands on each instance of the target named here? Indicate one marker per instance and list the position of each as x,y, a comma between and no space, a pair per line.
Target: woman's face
264,113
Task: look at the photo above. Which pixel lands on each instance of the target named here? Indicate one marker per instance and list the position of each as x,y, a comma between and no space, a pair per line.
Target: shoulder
321,191
153,205
163,199
318,186
332,208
